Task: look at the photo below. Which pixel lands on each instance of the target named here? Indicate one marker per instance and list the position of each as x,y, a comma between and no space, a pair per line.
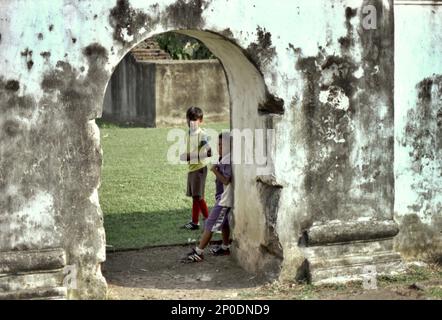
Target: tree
182,47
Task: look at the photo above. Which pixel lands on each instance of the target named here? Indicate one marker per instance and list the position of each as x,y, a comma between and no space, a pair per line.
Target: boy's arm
224,180
205,150
204,153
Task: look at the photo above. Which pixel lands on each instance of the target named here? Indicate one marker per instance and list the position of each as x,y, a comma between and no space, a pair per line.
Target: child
198,150
219,216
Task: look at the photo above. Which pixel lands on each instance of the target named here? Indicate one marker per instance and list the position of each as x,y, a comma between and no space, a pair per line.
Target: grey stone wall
180,84
130,95
153,93
321,206
418,131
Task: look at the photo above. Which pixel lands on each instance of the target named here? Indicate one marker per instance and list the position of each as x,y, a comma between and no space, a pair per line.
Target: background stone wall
181,84
153,93
131,94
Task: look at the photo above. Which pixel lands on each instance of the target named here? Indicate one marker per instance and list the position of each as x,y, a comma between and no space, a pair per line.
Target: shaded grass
428,279
142,195
142,229
298,291
435,293
413,274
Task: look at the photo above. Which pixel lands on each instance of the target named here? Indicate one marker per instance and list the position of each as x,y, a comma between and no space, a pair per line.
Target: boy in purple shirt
219,216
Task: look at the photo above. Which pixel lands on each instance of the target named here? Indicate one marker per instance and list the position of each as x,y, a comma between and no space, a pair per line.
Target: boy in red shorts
198,150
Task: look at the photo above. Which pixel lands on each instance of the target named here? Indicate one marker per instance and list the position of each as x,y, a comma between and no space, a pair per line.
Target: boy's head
194,116
224,142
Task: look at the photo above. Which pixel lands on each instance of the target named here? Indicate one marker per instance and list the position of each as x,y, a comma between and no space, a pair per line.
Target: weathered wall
336,156
418,131
152,93
59,59
130,94
310,71
181,84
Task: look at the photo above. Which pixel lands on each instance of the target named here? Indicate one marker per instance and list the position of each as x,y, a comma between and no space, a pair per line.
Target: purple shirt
226,170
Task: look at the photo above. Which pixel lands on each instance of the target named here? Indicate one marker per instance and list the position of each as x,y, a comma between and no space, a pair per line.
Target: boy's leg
199,205
203,208
194,191
190,193
224,249
211,225
202,202
205,239
198,184
197,253
193,224
196,209
226,235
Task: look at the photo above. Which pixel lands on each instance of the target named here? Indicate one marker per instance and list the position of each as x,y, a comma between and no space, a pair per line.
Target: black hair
194,113
225,136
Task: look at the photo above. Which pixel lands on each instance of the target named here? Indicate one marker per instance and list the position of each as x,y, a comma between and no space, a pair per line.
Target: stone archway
55,214
337,84
251,108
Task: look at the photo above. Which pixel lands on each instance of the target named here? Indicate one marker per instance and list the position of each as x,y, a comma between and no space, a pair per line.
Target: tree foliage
182,47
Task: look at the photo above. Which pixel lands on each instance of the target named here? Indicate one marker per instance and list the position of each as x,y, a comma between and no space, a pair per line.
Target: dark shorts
196,183
218,218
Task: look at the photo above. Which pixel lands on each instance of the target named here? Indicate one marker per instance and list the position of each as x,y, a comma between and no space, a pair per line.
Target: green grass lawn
141,194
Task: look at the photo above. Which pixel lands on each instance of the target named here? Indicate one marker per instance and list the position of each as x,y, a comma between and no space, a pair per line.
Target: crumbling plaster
418,131
315,75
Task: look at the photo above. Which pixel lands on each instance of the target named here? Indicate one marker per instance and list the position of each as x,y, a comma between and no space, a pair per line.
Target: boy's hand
214,168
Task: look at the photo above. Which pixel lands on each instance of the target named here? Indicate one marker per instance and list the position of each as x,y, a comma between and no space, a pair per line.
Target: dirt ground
157,273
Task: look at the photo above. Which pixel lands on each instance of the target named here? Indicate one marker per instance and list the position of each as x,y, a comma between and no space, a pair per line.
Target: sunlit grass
142,195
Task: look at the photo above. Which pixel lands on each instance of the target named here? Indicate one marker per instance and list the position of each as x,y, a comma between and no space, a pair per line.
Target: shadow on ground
148,229
158,269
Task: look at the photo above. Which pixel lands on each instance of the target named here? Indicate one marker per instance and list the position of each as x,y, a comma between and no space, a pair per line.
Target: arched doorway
248,113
